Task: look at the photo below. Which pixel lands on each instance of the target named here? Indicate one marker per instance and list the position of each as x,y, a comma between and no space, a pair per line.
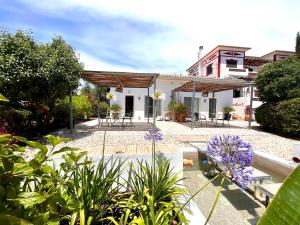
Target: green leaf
12,220
53,140
29,199
65,149
24,168
3,99
41,218
73,219
284,209
33,144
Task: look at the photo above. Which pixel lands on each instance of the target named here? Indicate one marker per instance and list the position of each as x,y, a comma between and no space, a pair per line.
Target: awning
119,79
255,61
203,84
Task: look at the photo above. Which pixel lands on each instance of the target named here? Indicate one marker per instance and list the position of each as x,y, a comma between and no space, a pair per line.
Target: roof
203,84
283,52
220,47
255,61
119,79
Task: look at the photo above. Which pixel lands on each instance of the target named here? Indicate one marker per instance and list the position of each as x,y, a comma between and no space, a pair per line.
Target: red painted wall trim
219,64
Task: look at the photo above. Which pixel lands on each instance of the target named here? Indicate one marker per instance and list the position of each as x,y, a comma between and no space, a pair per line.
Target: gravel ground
87,136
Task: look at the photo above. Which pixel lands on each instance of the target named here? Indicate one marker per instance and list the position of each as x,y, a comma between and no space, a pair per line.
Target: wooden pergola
212,85
120,80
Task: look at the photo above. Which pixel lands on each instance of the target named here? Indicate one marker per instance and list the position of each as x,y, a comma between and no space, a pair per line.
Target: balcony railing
235,72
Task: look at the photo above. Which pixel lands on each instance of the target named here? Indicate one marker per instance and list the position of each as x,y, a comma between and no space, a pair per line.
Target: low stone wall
279,166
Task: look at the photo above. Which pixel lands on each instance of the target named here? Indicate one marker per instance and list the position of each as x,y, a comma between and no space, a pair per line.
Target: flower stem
216,200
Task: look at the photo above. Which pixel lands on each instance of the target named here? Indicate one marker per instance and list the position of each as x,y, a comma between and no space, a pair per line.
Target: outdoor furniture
269,190
199,118
116,119
127,117
104,119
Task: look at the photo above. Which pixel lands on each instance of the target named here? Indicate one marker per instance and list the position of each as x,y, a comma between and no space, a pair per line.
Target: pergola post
148,105
193,105
98,108
250,107
154,104
214,113
71,111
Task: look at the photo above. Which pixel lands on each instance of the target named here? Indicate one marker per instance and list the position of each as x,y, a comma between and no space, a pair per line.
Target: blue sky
155,36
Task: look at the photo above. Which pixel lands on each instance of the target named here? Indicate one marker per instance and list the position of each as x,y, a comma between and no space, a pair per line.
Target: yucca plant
90,191
154,195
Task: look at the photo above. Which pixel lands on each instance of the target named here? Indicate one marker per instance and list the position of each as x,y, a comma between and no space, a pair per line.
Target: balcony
234,72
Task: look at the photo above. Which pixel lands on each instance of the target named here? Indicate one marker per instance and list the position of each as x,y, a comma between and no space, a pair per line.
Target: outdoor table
269,190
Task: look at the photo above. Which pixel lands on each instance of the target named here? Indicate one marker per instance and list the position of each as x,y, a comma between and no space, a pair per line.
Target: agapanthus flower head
110,96
158,95
153,135
235,155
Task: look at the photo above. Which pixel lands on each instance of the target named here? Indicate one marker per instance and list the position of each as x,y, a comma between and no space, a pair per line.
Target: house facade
220,64
232,61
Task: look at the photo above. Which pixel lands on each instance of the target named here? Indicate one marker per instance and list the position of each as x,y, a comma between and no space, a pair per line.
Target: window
188,103
209,69
231,63
236,93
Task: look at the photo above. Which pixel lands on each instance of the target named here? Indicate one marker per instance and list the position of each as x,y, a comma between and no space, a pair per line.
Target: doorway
129,103
212,107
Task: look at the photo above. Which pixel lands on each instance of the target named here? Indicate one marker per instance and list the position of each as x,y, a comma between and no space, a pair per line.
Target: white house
231,61
217,76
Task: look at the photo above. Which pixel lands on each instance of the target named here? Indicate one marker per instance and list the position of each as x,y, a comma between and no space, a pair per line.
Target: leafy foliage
82,109
284,208
27,182
282,117
91,92
115,108
279,81
39,73
155,194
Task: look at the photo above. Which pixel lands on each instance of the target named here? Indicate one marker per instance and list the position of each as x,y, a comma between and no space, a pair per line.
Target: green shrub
288,113
265,115
82,109
279,80
104,108
18,120
282,117
180,108
115,108
228,109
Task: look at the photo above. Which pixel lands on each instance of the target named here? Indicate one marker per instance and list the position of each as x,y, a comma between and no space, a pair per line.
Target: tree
33,76
34,72
298,45
279,80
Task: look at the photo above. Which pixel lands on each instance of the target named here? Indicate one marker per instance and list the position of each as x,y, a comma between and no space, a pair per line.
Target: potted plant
180,112
171,113
115,110
227,112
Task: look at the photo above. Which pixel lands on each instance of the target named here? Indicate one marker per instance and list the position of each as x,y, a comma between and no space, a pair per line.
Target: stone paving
88,136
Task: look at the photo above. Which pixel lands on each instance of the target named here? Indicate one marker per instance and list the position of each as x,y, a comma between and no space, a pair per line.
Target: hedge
282,117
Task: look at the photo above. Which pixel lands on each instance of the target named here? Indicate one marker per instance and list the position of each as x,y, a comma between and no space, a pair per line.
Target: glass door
212,107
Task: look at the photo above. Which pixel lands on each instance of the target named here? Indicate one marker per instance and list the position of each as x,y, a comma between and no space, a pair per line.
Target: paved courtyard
89,137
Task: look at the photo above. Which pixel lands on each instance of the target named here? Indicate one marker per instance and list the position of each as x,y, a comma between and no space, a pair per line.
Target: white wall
223,98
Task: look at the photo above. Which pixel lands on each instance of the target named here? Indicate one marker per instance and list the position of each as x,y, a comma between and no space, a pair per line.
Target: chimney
200,51
199,73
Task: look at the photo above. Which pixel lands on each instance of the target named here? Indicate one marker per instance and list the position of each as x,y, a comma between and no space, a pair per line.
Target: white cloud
263,25
93,63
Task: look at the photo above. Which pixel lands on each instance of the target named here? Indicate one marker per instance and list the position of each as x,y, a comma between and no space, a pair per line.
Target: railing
235,72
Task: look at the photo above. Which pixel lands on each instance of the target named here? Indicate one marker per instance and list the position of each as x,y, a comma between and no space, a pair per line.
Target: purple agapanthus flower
153,135
235,155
